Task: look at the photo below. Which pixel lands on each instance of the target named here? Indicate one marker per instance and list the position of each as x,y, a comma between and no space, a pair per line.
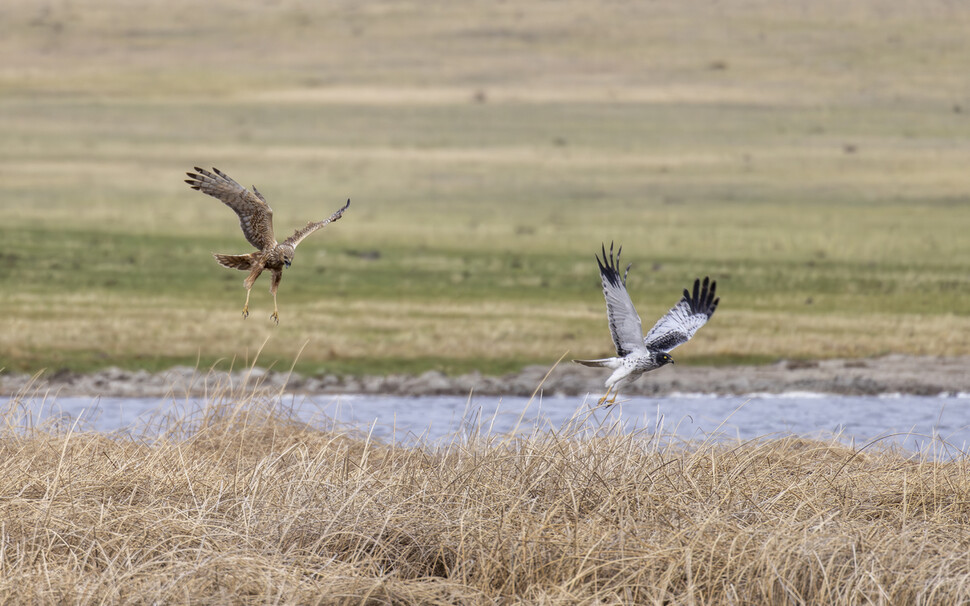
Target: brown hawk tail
240,262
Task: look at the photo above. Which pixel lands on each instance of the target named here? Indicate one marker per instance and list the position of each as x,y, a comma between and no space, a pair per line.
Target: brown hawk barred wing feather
255,215
311,227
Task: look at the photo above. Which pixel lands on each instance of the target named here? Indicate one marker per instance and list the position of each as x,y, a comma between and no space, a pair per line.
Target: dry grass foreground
240,503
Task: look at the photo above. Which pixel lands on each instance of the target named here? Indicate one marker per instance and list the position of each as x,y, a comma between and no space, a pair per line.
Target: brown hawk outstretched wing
255,215
311,227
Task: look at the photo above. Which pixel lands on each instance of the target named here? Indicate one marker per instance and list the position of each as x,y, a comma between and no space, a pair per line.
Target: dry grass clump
241,503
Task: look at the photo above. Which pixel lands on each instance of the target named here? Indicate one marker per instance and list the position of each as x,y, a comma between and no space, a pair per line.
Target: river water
936,424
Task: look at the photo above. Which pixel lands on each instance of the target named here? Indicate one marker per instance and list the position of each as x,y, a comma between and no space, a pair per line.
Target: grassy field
239,503
811,157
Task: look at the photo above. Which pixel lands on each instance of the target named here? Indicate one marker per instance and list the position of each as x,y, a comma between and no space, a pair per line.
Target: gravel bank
921,375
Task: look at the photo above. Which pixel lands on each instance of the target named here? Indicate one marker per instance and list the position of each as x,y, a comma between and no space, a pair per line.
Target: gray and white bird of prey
636,354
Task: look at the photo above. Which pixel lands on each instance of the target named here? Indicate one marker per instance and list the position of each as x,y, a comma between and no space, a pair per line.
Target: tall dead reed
240,502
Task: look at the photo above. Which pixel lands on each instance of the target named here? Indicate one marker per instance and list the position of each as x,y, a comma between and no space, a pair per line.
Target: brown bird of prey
256,221
635,353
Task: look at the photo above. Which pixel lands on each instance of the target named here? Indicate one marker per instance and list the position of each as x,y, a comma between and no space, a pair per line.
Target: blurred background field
811,156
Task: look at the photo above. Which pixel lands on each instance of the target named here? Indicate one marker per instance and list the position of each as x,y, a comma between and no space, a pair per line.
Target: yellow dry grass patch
811,335
238,503
324,330
340,330
419,95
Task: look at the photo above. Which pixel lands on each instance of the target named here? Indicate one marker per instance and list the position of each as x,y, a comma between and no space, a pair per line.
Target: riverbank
919,375
241,503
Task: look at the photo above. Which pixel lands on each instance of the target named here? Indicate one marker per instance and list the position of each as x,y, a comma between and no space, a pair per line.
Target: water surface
914,422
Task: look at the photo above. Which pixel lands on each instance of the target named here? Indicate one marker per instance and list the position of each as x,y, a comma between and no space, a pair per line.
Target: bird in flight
256,221
636,354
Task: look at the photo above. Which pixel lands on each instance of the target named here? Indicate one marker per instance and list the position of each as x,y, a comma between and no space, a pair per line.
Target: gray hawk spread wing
679,324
